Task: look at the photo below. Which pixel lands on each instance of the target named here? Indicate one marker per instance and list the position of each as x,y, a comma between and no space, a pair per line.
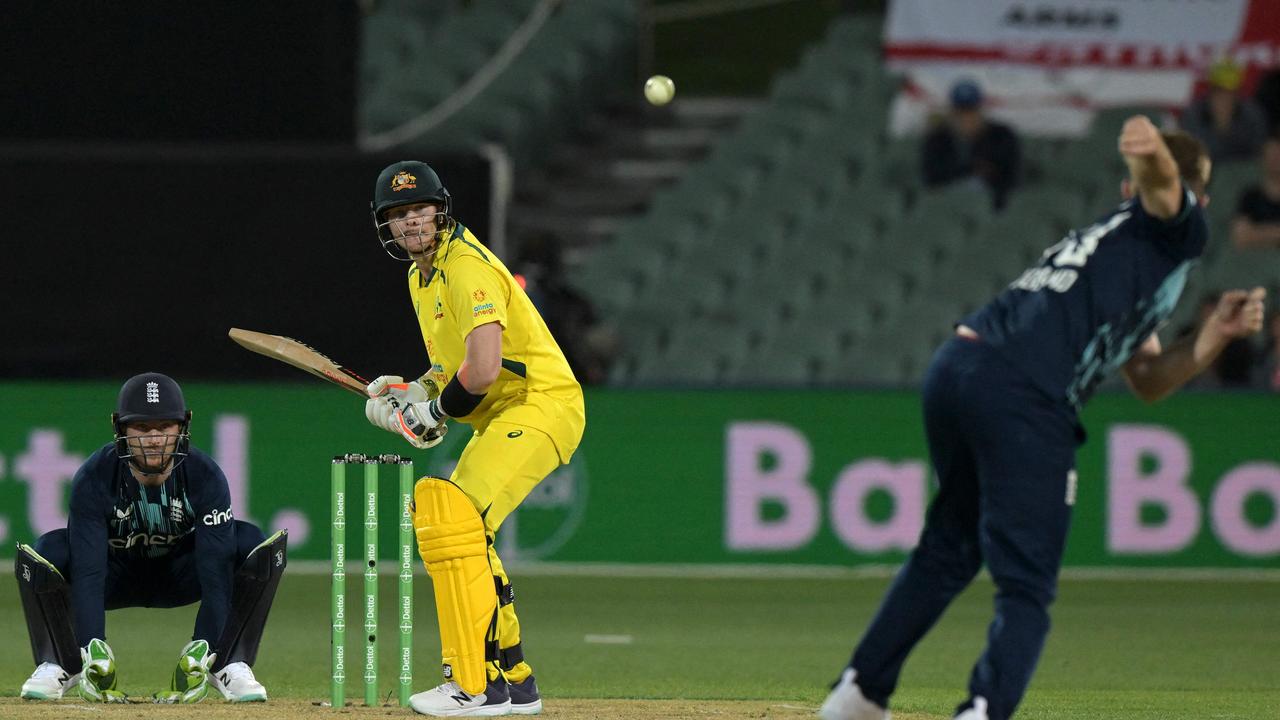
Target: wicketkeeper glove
190,682
410,409
98,679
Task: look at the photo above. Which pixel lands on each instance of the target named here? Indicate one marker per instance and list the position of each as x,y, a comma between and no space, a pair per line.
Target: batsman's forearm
455,400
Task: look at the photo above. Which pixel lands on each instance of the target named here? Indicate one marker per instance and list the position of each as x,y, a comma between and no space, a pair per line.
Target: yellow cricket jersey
468,286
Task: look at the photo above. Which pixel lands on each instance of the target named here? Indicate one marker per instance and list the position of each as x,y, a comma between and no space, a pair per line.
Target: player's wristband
455,401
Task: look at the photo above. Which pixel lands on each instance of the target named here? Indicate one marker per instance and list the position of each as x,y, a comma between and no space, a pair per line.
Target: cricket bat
301,356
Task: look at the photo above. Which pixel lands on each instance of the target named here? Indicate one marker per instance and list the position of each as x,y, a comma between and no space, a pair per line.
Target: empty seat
961,204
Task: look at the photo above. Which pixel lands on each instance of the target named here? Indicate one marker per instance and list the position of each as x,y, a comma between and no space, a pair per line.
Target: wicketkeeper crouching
150,525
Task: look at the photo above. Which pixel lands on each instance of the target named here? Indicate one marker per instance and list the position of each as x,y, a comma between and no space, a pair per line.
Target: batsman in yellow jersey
498,370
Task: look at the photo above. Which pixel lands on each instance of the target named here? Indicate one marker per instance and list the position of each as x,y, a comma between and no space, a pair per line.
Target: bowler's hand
1140,137
1239,313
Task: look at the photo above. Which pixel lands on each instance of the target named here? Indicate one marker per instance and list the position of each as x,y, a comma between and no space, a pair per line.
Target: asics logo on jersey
515,434
217,517
153,392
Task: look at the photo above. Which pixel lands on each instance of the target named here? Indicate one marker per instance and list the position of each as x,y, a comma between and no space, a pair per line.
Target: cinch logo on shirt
217,517
485,309
143,539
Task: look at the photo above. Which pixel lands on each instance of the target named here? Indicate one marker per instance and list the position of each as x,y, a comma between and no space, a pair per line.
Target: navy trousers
1004,455
163,582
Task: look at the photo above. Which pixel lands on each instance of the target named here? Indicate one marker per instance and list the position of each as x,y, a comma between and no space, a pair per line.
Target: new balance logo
462,699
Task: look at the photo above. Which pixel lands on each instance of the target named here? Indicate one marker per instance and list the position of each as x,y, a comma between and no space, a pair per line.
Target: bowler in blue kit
1001,403
150,525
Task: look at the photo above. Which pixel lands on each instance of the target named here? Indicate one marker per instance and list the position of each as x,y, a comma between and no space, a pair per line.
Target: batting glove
409,409
394,385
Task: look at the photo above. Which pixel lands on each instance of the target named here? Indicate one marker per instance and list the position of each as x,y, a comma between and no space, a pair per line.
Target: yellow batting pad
452,544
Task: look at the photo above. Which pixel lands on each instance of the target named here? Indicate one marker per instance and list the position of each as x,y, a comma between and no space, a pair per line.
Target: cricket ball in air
659,90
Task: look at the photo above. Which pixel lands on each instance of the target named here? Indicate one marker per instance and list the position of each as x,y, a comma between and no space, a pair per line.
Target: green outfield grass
1119,649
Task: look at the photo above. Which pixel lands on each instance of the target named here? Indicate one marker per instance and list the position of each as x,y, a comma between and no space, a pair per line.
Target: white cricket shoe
237,683
525,699
846,702
49,682
977,712
449,700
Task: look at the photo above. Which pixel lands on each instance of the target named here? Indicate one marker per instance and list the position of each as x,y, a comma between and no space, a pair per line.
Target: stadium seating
856,272
416,56
803,249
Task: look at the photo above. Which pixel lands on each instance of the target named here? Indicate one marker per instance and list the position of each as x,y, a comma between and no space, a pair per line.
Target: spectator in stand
966,146
1257,220
1231,126
1267,95
587,345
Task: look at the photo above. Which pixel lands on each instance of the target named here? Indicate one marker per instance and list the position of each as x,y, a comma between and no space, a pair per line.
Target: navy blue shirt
116,520
1093,299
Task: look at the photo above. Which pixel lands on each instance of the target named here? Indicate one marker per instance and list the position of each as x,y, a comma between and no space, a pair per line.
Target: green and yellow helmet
408,182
